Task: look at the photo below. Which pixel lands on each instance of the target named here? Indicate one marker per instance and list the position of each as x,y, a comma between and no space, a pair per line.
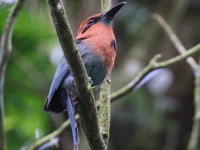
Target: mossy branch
5,50
104,100
104,110
88,112
105,5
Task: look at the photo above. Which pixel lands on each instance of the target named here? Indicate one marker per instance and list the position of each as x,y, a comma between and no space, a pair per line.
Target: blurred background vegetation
158,116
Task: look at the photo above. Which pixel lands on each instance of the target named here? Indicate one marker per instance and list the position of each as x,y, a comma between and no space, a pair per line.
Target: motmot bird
96,43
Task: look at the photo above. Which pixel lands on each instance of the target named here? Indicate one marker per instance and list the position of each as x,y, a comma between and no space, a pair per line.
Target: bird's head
101,20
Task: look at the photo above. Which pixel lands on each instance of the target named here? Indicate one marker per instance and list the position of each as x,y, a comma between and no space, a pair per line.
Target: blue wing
61,72
54,102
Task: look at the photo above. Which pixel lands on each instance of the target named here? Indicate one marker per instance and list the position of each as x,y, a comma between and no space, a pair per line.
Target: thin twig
175,40
194,140
50,136
88,112
5,49
131,85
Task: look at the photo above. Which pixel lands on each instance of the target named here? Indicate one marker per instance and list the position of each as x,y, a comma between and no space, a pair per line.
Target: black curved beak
110,14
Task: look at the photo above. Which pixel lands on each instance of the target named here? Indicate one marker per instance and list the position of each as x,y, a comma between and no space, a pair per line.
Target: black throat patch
113,44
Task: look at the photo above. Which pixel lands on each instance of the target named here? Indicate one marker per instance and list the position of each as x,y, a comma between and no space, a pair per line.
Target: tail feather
71,113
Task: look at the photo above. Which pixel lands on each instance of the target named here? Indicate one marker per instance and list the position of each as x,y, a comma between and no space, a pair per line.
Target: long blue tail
71,113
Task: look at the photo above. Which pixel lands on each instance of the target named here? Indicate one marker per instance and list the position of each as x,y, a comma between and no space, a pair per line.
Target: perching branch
88,112
104,99
5,49
104,110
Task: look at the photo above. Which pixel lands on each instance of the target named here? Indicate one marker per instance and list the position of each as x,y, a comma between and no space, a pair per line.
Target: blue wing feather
53,102
61,72
96,69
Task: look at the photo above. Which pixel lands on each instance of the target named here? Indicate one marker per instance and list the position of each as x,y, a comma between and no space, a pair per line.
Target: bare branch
195,134
175,40
193,143
152,66
50,136
5,49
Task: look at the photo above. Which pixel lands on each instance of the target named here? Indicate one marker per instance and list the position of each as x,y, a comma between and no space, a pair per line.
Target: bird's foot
89,86
90,80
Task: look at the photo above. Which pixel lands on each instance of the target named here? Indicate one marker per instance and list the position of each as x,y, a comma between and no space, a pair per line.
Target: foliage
24,93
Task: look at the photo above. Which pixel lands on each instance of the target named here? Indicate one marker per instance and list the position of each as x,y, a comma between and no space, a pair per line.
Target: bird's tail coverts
71,113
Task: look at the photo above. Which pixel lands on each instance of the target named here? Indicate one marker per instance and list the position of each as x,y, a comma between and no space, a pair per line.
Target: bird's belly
96,68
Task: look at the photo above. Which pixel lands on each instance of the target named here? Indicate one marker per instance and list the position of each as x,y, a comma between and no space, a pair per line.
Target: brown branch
88,112
5,49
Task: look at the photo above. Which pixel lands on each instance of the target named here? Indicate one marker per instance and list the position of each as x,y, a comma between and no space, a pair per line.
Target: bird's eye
91,21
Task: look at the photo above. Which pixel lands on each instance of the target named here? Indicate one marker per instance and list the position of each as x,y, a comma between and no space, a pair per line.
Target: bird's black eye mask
91,22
